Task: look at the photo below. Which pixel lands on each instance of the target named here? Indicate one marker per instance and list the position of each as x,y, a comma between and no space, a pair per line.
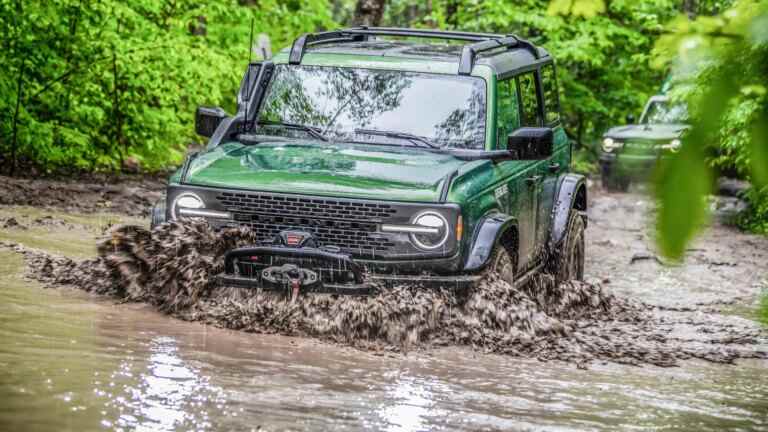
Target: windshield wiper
395,134
312,130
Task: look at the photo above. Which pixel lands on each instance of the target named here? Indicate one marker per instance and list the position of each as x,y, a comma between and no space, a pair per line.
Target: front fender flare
571,194
486,236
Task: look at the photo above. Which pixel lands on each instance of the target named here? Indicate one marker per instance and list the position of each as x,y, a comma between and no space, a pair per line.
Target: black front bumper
321,271
635,165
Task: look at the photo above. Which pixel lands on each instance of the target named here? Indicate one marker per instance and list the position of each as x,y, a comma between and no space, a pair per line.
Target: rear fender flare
486,237
571,196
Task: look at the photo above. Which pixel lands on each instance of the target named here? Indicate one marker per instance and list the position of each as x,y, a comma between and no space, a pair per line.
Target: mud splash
172,268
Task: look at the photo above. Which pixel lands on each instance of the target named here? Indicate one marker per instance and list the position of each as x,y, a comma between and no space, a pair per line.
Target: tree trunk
580,133
369,12
451,11
691,8
15,139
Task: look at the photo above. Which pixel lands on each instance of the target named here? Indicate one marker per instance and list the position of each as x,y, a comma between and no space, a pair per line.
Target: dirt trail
724,266
172,267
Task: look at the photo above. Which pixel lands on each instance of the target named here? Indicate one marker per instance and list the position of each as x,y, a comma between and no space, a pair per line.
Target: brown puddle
173,266
75,362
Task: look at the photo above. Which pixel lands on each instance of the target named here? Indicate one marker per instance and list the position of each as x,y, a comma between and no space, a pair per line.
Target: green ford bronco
630,152
365,158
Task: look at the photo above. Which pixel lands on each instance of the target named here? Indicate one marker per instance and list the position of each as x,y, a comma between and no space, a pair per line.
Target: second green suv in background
630,152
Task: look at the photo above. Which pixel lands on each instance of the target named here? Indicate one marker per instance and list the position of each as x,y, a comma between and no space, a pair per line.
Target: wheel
613,182
567,263
502,264
158,213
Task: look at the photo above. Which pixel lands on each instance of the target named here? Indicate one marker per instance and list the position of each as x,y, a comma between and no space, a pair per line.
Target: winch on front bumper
294,264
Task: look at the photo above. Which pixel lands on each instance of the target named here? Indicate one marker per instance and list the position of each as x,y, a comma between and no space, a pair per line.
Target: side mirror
207,119
530,143
630,119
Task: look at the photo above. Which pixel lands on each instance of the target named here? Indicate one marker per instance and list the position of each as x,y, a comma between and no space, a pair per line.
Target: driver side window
507,112
530,114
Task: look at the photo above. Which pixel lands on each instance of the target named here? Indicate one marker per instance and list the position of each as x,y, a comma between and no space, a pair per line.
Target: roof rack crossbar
423,33
470,52
481,42
308,39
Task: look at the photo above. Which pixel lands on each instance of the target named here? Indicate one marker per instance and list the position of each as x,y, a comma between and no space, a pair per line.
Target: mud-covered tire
567,262
502,264
158,213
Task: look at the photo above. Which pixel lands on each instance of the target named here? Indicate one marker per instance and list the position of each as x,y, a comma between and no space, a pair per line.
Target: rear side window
507,109
529,102
549,90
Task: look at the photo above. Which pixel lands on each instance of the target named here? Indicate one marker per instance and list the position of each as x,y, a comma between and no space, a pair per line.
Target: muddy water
69,361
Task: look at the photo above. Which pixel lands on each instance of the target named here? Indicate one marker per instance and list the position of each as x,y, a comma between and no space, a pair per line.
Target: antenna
247,97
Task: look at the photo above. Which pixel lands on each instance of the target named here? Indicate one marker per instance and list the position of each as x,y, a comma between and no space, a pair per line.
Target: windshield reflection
663,113
445,109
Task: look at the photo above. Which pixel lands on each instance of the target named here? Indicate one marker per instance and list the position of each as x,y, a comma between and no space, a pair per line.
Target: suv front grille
309,207
642,143
349,225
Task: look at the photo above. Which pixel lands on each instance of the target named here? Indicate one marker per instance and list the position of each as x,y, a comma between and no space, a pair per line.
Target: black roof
503,53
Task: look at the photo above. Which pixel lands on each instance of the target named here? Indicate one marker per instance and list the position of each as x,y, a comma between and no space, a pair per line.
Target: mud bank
171,268
125,195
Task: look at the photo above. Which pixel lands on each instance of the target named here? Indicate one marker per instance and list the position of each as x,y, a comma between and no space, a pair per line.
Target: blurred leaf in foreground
721,65
760,152
682,184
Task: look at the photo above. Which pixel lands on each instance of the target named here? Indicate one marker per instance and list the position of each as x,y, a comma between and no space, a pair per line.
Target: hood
661,132
321,168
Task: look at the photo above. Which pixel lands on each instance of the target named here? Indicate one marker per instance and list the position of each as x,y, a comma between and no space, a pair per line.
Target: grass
585,162
762,310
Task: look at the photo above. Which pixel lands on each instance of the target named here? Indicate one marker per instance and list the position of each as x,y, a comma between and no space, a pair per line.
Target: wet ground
73,361
125,194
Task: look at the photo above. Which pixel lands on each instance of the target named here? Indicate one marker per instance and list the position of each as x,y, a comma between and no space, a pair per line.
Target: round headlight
675,144
436,230
609,144
186,200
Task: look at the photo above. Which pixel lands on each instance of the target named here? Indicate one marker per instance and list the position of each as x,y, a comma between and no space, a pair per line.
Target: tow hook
294,277
291,277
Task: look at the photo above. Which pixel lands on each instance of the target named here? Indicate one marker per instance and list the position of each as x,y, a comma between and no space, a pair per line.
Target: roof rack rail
481,42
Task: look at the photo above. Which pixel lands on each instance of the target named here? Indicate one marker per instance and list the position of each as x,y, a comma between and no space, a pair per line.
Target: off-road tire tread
494,259
558,265
158,213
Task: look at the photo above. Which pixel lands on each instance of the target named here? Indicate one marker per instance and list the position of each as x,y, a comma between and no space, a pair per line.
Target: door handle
554,167
532,180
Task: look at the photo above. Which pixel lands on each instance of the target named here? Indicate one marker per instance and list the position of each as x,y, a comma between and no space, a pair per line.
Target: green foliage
720,64
585,162
583,8
102,81
755,219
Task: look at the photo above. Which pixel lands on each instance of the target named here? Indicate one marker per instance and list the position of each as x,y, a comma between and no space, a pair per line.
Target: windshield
360,104
660,112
